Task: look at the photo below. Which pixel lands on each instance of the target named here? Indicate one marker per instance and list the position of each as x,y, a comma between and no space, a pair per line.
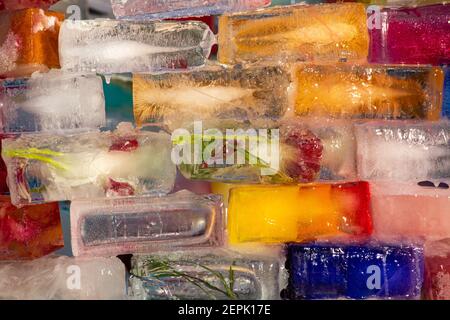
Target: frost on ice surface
54,278
404,150
216,274
112,46
52,101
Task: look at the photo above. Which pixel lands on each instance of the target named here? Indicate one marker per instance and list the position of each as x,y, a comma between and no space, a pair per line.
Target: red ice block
417,35
437,278
23,4
29,232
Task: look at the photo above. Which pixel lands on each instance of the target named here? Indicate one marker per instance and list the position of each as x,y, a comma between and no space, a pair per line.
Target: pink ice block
418,35
410,210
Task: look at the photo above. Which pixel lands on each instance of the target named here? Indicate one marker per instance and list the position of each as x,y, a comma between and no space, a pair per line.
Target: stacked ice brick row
233,97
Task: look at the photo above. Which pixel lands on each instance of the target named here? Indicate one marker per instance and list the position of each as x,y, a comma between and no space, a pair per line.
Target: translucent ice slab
368,91
54,167
63,278
52,101
295,151
107,227
327,32
403,150
205,274
411,210
164,9
113,46
219,97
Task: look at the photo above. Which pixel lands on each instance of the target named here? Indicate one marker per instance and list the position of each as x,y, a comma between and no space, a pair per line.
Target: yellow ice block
277,214
326,32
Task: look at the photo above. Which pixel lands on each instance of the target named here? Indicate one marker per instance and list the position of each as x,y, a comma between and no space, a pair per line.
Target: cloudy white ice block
205,274
411,210
55,167
52,101
107,227
163,9
63,278
113,46
403,150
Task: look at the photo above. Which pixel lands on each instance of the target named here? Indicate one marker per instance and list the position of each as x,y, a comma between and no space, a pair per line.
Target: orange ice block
29,232
368,91
292,213
326,32
28,41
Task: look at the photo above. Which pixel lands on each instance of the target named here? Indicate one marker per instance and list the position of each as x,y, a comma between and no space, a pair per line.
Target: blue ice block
322,271
446,101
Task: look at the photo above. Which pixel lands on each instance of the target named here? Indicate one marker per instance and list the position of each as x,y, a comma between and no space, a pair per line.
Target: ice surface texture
313,149
29,232
219,97
298,213
446,102
403,150
328,32
107,227
368,91
54,167
113,46
355,272
437,271
29,41
163,9
411,210
63,278
205,274
419,35
52,101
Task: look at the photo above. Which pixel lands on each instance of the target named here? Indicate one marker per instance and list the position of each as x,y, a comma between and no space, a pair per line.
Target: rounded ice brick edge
113,46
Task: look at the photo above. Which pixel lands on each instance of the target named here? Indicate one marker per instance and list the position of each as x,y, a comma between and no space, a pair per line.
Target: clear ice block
63,278
411,35
29,232
217,96
328,32
411,210
28,41
368,91
114,46
56,167
403,150
278,214
313,149
164,9
52,101
374,270
205,274
106,227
